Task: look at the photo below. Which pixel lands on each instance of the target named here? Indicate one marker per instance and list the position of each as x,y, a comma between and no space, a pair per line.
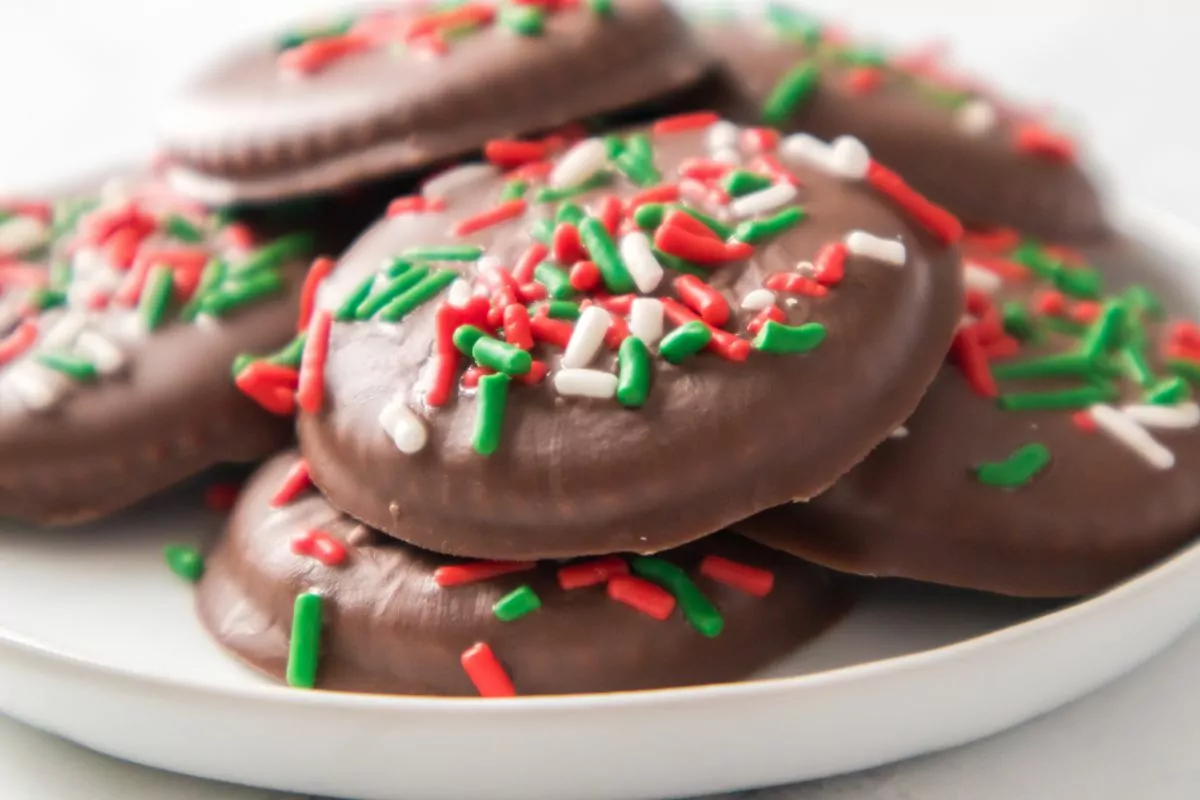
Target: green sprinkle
1183,368
211,278
74,367
633,377
561,309
241,362
755,231
601,8
291,353
1105,330
43,299
489,420
742,182
714,225
685,341
543,231
863,57
1018,322
465,337
514,190
1031,255
570,213
639,149
775,337
523,20
548,195
501,356
1016,470
156,297
1067,399
516,604
677,264
1069,365
1065,326
466,252
555,279
699,611
348,310
614,145
184,561
1132,360
792,91
1169,392
650,216
304,649
277,253
397,286
790,23
398,267
247,289
429,288
1079,282
293,39
606,255
182,229
1145,301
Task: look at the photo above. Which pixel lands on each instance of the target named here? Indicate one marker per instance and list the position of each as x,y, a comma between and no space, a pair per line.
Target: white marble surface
81,82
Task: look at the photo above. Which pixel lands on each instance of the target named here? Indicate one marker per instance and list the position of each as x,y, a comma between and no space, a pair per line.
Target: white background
80,82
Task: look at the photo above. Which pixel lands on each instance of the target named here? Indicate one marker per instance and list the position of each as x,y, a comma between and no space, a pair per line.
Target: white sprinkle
405,427
850,158
751,205
640,261
460,293
100,350
758,300
900,432
1177,417
694,193
980,279
21,234
487,262
976,117
723,135
37,387
63,333
804,148
889,251
1132,435
585,383
646,320
581,163
587,337
452,180
728,156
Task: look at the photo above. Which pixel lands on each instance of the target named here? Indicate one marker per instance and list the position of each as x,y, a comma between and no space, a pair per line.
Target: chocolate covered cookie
304,593
1056,455
628,351
405,87
979,155
121,311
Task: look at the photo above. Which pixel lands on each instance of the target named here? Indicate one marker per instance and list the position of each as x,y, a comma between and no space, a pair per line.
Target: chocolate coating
980,176
170,412
246,131
715,442
389,628
915,509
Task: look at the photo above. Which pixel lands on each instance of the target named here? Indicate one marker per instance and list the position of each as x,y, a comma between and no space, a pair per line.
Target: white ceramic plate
98,643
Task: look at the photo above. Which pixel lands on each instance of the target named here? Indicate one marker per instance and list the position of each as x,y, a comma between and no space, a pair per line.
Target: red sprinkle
1086,312
551,331
270,386
619,304
473,374
501,300
121,248
935,219
489,218
585,276
830,264
1084,421
537,373
516,327
774,167
611,212
566,246
311,393
535,255
972,360
469,15
413,204
531,292
750,580
319,545
1051,303
1004,347
295,483
591,573
1185,333
477,572
316,54
724,343
768,314
1036,140
509,154
221,497
485,671
648,598
704,250
130,290
863,80
532,172
701,169
760,140
685,122
444,365
18,341
703,299
618,331
666,193
238,236
996,240
977,302
319,270
794,283
1008,270
498,279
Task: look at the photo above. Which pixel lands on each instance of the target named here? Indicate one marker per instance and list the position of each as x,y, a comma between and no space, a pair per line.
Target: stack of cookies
665,331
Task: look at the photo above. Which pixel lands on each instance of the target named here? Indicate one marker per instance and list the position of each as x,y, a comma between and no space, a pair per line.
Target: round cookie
655,359
120,324
981,157
391,618
403,88
1031,467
